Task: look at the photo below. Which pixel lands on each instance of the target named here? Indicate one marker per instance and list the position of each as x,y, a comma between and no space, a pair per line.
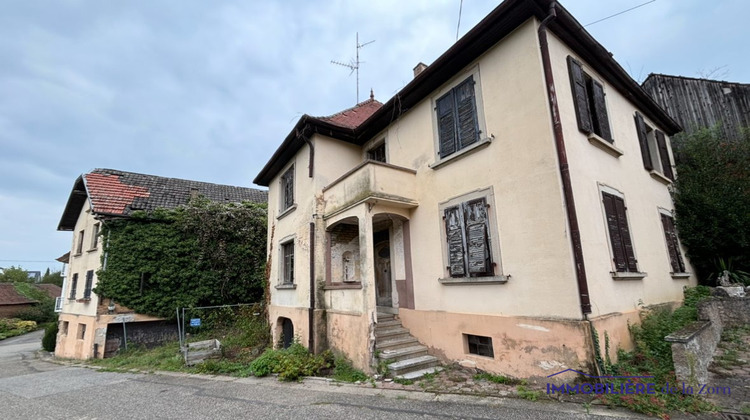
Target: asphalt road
31,388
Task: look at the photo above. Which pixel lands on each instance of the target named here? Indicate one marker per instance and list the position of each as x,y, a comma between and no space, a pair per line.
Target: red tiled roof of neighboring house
52,290
354,116
120,193
10,296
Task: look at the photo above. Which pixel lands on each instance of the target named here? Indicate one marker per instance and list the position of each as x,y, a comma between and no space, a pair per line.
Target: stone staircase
406,358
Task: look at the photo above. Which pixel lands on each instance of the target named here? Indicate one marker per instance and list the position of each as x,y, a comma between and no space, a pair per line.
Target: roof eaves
76,200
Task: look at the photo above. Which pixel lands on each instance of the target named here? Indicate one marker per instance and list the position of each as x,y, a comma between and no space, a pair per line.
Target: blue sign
195,322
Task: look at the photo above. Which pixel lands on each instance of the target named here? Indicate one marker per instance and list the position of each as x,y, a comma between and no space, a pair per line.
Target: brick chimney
419,68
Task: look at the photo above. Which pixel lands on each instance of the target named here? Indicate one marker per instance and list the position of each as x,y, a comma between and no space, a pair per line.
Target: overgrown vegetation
292,363
498,379
202,254
11,327
712,198
652,356
731,345
42,312
49,341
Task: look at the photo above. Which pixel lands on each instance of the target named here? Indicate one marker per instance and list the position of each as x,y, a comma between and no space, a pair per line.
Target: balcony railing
369,182
58,304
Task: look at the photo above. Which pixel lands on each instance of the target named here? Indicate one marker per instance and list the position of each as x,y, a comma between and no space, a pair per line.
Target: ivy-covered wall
202,254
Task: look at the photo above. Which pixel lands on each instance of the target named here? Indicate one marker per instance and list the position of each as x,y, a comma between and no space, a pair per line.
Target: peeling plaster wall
350,334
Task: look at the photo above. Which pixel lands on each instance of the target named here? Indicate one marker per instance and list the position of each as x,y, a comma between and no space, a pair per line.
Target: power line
618,14
28,261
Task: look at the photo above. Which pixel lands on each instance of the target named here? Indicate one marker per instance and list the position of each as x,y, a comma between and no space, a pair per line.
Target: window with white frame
470,236
287,262
79,247
95,236
654,148
287,189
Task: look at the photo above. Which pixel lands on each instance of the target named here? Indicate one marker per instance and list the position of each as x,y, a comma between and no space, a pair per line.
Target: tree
14,274
712,200
54,277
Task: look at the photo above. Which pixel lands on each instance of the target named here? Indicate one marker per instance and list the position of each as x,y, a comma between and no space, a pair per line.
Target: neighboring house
508,200
702,103
85,320
12,303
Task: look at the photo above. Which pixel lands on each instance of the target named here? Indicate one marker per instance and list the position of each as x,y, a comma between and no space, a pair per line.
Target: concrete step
392,332
396,343
395,355
412,364
419,373
386,317
388,324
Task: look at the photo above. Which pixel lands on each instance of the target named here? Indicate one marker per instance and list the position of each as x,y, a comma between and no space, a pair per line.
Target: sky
207,90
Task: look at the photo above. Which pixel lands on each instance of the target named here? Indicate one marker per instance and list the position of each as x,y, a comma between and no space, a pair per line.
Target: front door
383,274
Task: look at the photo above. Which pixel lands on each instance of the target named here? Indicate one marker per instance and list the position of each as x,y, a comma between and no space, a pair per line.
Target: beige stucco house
92,327
509,201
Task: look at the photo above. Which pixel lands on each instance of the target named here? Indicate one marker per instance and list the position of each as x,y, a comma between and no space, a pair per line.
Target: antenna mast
353,65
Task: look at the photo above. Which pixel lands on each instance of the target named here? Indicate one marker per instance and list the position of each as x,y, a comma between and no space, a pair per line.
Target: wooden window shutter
73,286
466,106
477,237
580,97
640,128
673,245
89,284
446,124
666,165
600,117
613,226
454,235
627,243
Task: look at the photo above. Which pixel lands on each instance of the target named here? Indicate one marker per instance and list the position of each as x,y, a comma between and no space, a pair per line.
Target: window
654,149
81,331
623,255
287,258
73,286
89,283
673,245
377,153
79,249
95,236
457,120
467,233
590,103
64,327
287,189
479,345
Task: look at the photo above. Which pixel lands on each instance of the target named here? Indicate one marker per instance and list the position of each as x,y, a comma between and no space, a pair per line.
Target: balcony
371,182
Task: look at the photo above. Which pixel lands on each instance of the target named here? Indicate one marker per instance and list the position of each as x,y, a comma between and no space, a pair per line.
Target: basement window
479,345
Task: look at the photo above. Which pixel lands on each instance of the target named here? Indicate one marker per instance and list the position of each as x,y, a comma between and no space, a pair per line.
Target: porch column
367,262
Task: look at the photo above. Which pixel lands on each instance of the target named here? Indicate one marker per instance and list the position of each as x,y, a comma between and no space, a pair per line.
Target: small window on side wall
479,345
95,236
287,189
377,153
623,254
590,103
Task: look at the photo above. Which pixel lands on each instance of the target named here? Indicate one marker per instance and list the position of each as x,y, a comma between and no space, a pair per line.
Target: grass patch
344,371
403,381
652,356
528,394
166,357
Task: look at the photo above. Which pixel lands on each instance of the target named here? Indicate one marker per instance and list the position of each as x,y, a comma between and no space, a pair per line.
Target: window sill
287,211
659,177
680,276
482,143
450,281
84,300
343,286
92,249
288,286
626,275
78,254
605,145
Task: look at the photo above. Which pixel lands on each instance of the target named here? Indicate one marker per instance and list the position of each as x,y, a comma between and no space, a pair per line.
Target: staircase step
387,324
410,365
390,332
395,343
394,355
419,373
386,317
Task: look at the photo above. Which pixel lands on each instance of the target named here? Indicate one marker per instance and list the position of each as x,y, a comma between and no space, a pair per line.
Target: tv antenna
353,65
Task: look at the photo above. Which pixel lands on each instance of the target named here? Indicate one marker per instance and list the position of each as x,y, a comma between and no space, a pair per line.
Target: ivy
202,254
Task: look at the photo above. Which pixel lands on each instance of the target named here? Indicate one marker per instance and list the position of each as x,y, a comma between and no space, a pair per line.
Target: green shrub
344,371
291,363
49,341
11,327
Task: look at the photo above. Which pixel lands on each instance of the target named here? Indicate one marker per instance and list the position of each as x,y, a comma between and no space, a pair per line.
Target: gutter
562,159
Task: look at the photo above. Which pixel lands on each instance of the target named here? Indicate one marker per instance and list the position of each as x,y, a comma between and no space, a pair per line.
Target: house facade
92,327
508,203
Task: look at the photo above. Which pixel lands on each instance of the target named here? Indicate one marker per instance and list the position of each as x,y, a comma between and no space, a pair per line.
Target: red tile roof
354,116
109,195
10,296
52,290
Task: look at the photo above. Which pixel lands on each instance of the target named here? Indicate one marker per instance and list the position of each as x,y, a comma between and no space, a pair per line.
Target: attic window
377,153
287,189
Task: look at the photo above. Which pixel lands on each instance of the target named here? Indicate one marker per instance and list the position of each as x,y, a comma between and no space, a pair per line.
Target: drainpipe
311,163
562,159
312,288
